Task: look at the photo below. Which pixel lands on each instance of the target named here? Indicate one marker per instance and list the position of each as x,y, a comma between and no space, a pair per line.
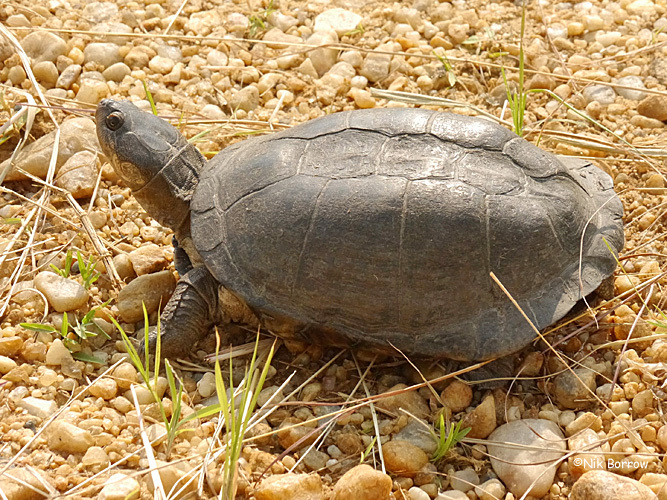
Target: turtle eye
115,120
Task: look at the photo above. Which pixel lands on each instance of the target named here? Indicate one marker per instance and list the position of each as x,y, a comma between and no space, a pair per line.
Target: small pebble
339,20
206,385
403,458
457,395
490,490
416,493
283,486
63,294
603,94
375,67
102,53
120,487
452,495
66,437
79,174
634,94
574,389
6,364
603,485
464,480
37,407
482,420
654,106
43,46
105,388
95,456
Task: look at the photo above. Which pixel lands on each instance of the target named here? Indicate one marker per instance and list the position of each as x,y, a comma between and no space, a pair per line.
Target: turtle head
151,157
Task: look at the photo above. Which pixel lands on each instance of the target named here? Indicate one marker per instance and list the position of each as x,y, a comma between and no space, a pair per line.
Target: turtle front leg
189,314
181,259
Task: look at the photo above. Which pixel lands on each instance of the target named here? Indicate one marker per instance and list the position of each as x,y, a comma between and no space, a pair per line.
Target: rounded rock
654,106
293,486
452,495
44,46
603,485
518,469
105,388
601,93
574,389
46,73
339,20
490,490
92,91
457,395
634,94
150,289
63,294
464,480
103,53
116,72
79,174
416,493
403,458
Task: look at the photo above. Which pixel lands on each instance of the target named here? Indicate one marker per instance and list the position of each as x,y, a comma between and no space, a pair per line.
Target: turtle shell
382,227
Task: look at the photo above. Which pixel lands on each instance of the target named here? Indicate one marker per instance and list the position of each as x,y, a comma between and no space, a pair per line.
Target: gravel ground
70,427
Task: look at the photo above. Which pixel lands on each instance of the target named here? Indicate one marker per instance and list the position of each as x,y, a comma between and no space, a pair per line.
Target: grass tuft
237,412
448,436
517,99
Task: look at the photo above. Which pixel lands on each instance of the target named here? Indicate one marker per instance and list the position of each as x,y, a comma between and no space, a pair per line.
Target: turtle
375,228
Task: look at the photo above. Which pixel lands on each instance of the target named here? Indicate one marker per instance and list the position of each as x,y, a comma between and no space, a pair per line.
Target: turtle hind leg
189,314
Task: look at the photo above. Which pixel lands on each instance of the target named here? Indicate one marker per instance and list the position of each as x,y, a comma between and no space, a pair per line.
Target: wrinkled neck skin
166,197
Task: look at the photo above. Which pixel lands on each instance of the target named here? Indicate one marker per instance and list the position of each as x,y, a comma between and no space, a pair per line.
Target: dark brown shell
383,226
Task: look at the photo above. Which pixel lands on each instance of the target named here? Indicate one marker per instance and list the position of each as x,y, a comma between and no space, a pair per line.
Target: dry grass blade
239,351
371,406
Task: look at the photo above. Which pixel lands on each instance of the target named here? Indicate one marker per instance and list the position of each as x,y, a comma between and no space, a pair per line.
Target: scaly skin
189,314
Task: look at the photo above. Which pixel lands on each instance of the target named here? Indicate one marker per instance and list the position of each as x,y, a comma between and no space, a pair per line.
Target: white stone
634,94
63,436
490,490
339,20
161,65
323,59
7,364
641,8
601,93
557,31
105,54
40,408
120,487
206,386
58,354
92,91
518,468
416,493
63,294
